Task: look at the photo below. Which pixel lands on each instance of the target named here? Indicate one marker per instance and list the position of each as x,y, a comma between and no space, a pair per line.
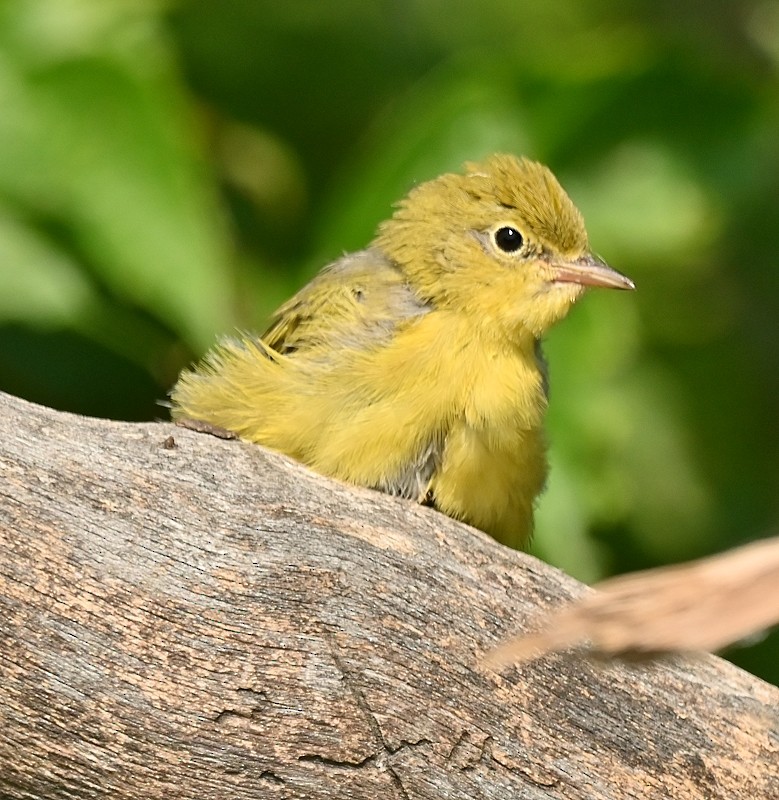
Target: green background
171,171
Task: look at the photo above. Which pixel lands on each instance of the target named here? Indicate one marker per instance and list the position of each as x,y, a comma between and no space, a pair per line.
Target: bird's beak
590,271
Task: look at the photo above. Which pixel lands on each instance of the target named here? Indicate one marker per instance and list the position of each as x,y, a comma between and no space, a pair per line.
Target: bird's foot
201,426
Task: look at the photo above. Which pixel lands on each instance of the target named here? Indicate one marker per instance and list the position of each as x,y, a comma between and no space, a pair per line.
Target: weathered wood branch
186,617
703,605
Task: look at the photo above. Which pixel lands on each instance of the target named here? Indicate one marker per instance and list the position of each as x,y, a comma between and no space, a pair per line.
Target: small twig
704,605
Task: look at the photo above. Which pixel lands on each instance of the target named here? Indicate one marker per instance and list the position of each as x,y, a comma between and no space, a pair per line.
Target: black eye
508,239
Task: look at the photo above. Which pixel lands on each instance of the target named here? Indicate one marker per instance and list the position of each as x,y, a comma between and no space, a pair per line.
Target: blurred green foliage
171,171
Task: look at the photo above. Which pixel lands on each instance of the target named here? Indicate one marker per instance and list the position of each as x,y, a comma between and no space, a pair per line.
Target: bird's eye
508,239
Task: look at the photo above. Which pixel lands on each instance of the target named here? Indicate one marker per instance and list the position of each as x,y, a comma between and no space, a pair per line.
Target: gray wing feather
356,301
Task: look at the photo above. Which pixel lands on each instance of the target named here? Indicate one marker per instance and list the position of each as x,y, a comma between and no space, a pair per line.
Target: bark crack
251,705
341,764
271,777
381,759
472,751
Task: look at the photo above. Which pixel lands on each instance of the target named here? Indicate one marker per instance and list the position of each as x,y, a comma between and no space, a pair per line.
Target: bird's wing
357,301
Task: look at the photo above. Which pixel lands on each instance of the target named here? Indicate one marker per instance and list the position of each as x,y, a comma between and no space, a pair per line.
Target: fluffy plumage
414,366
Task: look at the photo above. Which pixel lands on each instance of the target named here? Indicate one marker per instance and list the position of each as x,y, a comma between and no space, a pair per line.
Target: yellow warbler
414,366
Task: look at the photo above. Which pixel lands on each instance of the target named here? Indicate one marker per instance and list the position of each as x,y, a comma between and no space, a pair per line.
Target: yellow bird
414,366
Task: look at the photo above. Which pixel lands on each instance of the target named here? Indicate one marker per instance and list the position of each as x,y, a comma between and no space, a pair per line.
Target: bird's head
503,242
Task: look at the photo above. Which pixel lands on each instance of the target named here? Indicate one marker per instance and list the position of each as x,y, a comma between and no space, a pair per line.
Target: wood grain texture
703,605
187,617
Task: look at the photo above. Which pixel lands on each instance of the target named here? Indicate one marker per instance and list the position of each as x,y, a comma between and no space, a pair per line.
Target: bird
414,366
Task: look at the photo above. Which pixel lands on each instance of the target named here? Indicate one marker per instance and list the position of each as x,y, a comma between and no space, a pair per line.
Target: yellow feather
413,366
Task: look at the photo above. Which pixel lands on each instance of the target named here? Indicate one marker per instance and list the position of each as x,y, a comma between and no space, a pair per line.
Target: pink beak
590,271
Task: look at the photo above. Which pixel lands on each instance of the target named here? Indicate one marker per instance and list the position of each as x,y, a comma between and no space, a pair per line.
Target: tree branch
187,617
703,605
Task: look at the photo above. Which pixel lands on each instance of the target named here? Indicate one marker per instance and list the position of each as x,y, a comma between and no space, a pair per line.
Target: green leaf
107,154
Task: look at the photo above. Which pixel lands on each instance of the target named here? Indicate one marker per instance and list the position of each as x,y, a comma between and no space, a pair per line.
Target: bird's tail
231,387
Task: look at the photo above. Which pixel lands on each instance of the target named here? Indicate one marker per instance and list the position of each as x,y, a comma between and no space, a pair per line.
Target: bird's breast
493,463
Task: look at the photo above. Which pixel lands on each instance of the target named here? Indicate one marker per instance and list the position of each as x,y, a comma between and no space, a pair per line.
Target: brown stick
704,605
186,617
